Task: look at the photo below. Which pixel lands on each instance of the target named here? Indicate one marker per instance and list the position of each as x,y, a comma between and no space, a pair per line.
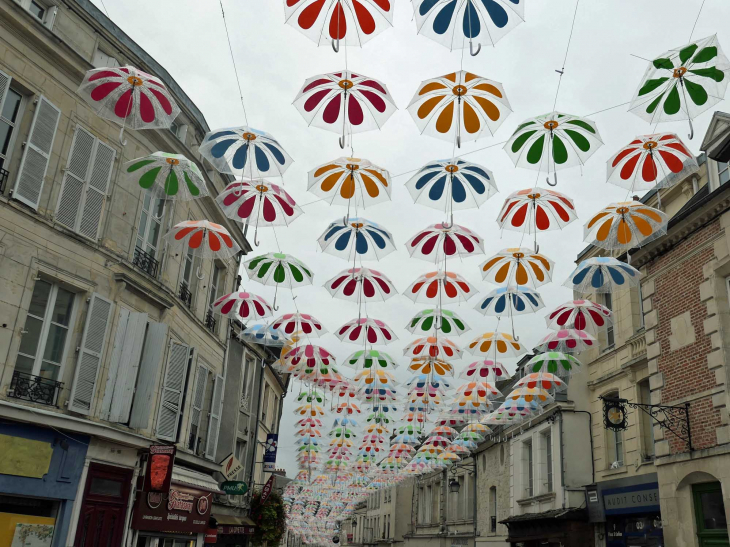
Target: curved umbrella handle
471,49
517,338
547,179
336,45
448,226
123,141
691,130
341,140
458,141
198,274
256,237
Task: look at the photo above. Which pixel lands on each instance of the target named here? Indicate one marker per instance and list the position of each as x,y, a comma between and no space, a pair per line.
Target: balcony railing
210,321
145,262
185,295
34,388
3,180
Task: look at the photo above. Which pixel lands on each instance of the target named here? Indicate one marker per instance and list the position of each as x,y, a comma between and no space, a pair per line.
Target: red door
104,508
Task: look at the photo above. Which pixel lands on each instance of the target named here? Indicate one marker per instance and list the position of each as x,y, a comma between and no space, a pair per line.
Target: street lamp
454,486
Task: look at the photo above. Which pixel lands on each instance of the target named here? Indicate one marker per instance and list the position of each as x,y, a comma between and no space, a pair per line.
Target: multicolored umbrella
682,83
168,176
274,269
361,284
440,286
625,225
258,202
242,305
442,241
529,395
432,369
291,323
479,388
446,321
554,362
565,139
518,266
542,380
355,237
129,97
245,152
203,238
345,102
351,21
456,25
567,340
351,182
360,331
485,369
370,358
459,107
432,346
602,274
581,315
499,343
659,160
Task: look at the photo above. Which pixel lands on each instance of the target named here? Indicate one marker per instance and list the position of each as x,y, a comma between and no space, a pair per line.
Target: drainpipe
476,499
562,457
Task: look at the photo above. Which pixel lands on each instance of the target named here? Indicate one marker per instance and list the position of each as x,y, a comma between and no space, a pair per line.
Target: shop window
710,514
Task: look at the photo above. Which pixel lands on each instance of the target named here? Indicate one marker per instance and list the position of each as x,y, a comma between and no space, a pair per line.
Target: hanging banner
159,468
272,443
268,487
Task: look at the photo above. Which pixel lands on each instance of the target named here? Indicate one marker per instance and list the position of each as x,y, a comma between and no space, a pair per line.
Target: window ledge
157,299
549,496
618,471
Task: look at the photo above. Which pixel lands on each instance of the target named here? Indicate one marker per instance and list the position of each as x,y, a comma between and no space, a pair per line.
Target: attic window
36,9
43,10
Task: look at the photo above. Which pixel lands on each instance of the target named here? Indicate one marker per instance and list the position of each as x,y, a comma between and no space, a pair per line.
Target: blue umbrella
356,237
602,275
510,301
264,335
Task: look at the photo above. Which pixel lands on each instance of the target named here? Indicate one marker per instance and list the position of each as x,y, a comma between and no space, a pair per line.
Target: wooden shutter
149,365
4,86
171,401
90,354
96,189
77,170
37,153
214,421
124,366
201,381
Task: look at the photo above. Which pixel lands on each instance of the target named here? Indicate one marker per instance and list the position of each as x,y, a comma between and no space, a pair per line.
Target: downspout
476,499
562,456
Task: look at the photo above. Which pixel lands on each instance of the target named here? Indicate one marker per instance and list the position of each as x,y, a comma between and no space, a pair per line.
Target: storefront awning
232,520
188,477
555,514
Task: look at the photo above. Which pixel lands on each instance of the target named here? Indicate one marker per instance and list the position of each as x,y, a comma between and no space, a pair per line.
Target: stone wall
493,471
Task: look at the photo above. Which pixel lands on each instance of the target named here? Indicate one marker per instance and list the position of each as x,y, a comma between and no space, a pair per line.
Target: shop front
555,528
626,511
236,535
40,471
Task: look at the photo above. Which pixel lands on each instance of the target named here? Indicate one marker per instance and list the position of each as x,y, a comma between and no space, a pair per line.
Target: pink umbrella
483,369
567,341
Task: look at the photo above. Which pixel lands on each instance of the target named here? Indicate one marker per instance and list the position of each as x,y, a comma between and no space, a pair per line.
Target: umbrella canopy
498,343
625,225
355,237
432,346
274,269
510,301
167,176
350,181
440,286
682,83
452,185
448,322
360,331
242,305
461,25
349,22
554,362
581,315
660,160
534,210
542,380
485,369
291,323
442,241
344,102
245,152
567,340
518,266
361,285
553,141
478,388
530,395
203,238
459,107
601,275
370,358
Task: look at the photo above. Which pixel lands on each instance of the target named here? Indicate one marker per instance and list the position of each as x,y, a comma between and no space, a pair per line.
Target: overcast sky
187,37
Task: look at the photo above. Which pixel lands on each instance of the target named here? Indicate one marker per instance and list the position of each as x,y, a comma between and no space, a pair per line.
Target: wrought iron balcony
145,262
4,174
34,388
210,321
185,295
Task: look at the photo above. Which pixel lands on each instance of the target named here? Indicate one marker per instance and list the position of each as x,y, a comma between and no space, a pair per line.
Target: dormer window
43,10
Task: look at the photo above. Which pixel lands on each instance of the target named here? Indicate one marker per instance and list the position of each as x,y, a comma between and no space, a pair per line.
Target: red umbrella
579,314
440,241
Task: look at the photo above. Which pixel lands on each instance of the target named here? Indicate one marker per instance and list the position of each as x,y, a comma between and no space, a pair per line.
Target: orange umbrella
518,266
501,343
430,364
625,225
203,238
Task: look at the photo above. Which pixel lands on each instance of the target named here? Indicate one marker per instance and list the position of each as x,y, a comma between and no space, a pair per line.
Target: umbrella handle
341,140
448,226
336,47
556,179
198,274
458,141
691,130
256,237
471,49
123,141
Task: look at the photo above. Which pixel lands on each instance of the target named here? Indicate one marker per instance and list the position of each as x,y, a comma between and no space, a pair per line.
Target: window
493,509
274,412
527,472
41,10
423,505
710,516
723,173
10,114
608,302
217,281
201,395
614,444
435,499
44,343
647,426
150,225
265,405
548,442
104,60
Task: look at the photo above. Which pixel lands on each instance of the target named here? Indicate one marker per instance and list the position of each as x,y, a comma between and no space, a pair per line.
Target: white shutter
154,347
37,153
214,423
96,189
4,86
124,366
90,354
201,380
77,170
171,400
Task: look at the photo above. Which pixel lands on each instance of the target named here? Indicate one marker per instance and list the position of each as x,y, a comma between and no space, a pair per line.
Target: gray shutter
149,365
90,354
214,423
77,171
37,153
171,400
201,380
4,86
124,366
96,190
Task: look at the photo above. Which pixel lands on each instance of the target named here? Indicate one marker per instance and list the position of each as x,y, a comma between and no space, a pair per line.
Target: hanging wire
233,60
697,19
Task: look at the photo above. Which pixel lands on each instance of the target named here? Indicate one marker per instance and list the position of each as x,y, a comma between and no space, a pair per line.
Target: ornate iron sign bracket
674,419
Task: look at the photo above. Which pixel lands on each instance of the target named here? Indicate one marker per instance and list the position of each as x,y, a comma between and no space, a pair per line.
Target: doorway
710,515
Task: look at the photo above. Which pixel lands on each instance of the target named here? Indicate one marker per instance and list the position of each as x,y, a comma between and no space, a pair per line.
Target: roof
554,514
717,138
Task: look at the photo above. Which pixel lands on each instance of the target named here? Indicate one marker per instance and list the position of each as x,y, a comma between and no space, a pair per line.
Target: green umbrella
446,321
169,176
554,362
276,269
364,359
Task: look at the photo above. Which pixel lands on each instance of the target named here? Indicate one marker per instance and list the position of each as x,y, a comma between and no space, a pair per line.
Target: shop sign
159,468
272,442
211,535
268,487
236,530
234,488
631,499
230,467
182,510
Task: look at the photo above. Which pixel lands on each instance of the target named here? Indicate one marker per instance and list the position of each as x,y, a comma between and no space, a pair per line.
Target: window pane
158,208
142,225
55,343
713,511
724,173
24,364
153,234
36,10
62,309
12,105
49,370
105,487
5,132
39,300
29,342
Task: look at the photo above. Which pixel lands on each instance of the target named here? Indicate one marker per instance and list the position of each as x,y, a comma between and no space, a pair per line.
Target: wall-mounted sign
236,530
268,487
272,443
631,499
159,468
234,488
182,510
211,535
230,467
